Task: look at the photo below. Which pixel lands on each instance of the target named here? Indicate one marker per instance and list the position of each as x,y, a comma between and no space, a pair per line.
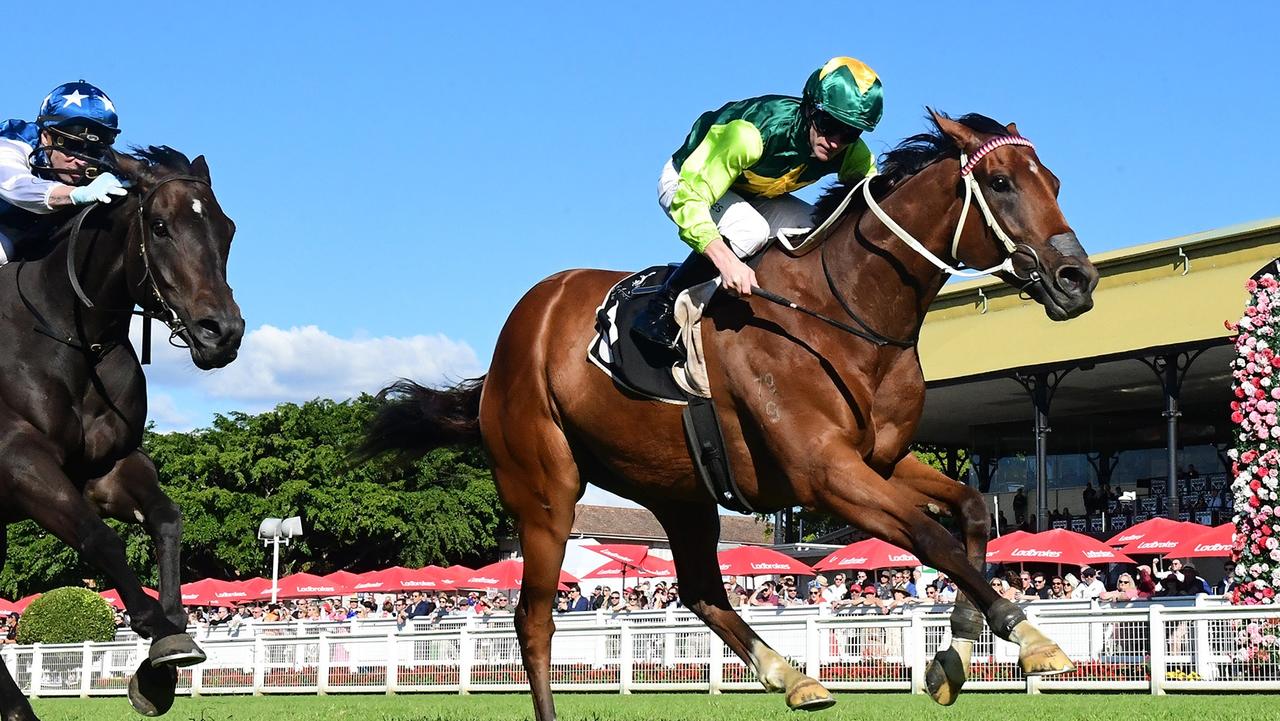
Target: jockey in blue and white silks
52,163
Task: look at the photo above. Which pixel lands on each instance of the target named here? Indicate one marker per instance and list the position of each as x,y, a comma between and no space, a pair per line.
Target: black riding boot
656,324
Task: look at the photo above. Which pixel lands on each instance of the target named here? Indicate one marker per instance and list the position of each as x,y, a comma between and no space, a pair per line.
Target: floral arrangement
1256,458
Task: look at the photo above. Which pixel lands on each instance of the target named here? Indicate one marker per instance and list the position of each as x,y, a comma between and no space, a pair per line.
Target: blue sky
401,173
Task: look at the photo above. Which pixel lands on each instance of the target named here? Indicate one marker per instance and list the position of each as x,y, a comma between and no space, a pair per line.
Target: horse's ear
200,168
961,134
1012,128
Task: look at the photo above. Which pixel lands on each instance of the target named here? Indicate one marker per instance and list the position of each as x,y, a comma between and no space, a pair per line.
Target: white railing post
715,656
393,662
322,664
913,651
812,648
37,669
259,665
626,650
86,669
466,655
1203,650
197,680
1159,661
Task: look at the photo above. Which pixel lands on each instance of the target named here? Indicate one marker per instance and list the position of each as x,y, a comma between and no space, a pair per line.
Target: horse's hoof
1045,660
944,676
176,650
809,695
151,688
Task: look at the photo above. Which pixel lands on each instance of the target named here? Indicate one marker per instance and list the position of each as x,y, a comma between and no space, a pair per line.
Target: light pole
273,531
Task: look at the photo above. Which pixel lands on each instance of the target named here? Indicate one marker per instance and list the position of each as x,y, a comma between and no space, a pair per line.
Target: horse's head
177,254
1018,196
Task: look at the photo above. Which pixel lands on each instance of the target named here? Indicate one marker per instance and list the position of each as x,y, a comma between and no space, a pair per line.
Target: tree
292,460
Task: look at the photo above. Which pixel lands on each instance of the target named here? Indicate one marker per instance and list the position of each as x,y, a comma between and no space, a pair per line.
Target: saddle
656,374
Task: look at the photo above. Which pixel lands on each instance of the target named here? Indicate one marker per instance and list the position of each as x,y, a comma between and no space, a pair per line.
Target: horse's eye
159,229
1001,184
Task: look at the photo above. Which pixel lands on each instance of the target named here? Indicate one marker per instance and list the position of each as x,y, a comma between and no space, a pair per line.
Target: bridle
972,190
177,329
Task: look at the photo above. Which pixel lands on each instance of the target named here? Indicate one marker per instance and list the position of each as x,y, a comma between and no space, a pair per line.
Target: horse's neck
882,279
99,266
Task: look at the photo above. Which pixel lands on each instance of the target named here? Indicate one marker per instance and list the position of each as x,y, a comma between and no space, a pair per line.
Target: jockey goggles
831,128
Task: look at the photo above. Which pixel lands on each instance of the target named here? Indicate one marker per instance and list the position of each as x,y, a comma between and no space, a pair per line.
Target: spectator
1145,582
947,590
501,604
836,590
815,596
765,595
1192,583
615,602
913,582
901,600
1126,590
1040,586
1090,587
884,587
576,600
1057,588
1020,506
562,604
1090,499
931,595
1228,578
1069,584
419,605
1025,586
791,597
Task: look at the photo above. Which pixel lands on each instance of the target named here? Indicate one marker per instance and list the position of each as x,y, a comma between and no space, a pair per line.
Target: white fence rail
1143,647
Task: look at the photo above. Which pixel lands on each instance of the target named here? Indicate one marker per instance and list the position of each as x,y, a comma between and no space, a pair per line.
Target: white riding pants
747,225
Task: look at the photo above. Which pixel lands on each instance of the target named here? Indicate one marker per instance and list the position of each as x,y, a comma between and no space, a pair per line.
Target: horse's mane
159,161
905,160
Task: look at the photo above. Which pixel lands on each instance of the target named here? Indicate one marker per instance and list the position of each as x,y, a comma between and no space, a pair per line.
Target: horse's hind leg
13,703
539,484
131,493
693,531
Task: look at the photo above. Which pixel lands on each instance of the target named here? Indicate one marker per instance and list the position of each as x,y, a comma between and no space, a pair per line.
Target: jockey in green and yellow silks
728,186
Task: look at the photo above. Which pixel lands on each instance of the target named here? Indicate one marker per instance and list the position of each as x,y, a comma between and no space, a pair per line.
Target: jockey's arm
705,176
19,188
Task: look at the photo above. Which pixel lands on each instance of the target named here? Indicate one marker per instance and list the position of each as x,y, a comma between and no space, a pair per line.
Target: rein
972,191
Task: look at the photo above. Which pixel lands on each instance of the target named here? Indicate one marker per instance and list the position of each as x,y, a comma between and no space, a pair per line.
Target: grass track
682,707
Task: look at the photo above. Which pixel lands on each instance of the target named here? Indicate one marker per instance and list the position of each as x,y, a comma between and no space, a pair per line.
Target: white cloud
276,365
162,409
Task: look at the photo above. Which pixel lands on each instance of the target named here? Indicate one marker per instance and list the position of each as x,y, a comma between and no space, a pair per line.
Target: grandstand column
1171,370
1041,387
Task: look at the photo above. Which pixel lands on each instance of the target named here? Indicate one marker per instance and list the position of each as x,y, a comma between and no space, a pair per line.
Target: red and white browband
991,145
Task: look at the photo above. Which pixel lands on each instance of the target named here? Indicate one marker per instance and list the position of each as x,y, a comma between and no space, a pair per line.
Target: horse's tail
412,420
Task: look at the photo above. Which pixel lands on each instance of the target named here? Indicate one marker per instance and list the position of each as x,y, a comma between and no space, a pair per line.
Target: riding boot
656,324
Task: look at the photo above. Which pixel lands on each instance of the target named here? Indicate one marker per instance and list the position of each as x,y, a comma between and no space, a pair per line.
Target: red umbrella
653,567
345,581
113,596
629,554
306,585
1155,535
7,607
451,576
870,554
1216,541
21,604
257,588
1000,542
214,592
758,561
1057,546
503,576
399,578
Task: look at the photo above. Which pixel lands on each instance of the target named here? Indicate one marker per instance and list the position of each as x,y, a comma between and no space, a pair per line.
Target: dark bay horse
73,400
812,416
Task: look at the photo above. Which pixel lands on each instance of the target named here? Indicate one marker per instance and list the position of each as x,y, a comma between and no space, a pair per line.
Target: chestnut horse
812,415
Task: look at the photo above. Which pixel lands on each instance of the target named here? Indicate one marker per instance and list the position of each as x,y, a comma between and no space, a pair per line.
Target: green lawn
694,707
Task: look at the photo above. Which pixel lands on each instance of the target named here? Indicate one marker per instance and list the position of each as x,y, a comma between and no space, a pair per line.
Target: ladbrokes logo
1156,544
767,566
1212,547
845,561
902,557
1129,537
481,579
1035,553
1099,554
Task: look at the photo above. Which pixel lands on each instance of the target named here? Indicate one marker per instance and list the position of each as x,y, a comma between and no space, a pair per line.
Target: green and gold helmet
849,91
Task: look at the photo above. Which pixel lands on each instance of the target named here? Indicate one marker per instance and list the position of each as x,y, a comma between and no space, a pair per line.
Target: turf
680,707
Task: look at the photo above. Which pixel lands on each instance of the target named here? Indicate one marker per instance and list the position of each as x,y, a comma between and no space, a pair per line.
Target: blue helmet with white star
83,107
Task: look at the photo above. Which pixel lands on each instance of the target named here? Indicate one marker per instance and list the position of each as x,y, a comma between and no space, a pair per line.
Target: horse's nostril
210,328
1071,279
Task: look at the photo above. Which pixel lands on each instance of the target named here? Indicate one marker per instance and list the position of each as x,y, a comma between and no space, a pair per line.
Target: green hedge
67,615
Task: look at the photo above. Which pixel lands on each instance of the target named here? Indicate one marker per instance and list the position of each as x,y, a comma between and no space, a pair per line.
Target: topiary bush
67,615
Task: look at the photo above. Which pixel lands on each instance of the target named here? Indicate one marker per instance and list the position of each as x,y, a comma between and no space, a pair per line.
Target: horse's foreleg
131,493
693,531
13,704
950,667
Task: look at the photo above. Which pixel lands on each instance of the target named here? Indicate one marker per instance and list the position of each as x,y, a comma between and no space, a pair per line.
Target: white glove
99,191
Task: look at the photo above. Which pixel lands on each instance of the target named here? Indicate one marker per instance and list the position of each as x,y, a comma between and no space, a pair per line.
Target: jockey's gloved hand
99,191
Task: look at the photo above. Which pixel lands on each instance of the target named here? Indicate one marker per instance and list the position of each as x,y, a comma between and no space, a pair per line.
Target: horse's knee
96,539
973,509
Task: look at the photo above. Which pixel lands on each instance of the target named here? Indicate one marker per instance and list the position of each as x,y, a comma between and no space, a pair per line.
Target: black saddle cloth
637,366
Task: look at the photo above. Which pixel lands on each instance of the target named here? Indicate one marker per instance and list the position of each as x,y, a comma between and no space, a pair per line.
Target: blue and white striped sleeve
18,187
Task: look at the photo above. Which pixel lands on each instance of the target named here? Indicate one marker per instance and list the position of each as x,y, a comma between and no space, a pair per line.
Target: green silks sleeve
858,163
707,174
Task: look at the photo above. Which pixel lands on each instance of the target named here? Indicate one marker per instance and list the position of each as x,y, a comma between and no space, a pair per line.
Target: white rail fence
1144,647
